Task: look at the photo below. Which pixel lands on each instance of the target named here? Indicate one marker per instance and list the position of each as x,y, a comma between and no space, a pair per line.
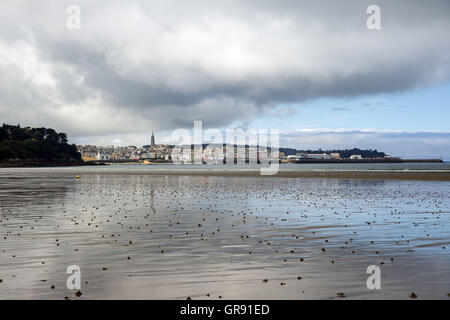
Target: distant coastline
44,147
381,160
302,161
37,163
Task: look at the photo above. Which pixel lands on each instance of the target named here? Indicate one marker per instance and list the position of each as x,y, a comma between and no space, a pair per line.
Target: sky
312,69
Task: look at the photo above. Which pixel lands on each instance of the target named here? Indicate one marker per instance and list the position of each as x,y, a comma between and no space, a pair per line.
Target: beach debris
127,211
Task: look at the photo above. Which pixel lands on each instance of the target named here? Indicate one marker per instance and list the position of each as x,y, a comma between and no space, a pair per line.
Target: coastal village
162,153
152,151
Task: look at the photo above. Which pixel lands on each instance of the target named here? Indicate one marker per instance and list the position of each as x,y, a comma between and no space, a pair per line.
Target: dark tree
37,144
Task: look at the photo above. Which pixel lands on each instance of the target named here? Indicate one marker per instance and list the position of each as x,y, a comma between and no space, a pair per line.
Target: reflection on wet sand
141,236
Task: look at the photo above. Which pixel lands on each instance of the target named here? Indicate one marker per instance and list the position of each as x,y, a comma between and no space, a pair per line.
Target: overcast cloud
138,65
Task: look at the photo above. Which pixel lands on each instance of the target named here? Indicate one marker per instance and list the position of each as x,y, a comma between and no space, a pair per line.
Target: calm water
140,236
241,167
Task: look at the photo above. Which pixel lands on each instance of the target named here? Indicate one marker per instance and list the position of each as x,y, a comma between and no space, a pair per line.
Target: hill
36,145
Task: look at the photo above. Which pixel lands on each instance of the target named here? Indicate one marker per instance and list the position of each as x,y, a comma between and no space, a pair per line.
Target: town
163,153
154,152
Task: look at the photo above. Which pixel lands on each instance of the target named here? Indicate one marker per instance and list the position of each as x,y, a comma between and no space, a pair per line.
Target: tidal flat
222,237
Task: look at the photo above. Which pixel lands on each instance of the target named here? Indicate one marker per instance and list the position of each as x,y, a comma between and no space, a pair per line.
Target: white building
103,156
319,156
302,155
335,155
356,157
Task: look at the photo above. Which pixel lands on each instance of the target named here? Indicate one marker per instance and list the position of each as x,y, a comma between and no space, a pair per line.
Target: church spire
152,143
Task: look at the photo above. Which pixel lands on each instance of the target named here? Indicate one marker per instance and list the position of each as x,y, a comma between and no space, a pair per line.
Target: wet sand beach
418,171
149,236
378,175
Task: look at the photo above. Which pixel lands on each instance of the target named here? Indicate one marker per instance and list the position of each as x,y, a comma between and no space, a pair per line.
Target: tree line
35,144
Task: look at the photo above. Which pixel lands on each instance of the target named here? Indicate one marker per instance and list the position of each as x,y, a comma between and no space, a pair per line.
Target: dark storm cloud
138,64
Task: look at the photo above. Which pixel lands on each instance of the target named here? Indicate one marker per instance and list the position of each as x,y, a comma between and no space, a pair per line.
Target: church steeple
152,143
